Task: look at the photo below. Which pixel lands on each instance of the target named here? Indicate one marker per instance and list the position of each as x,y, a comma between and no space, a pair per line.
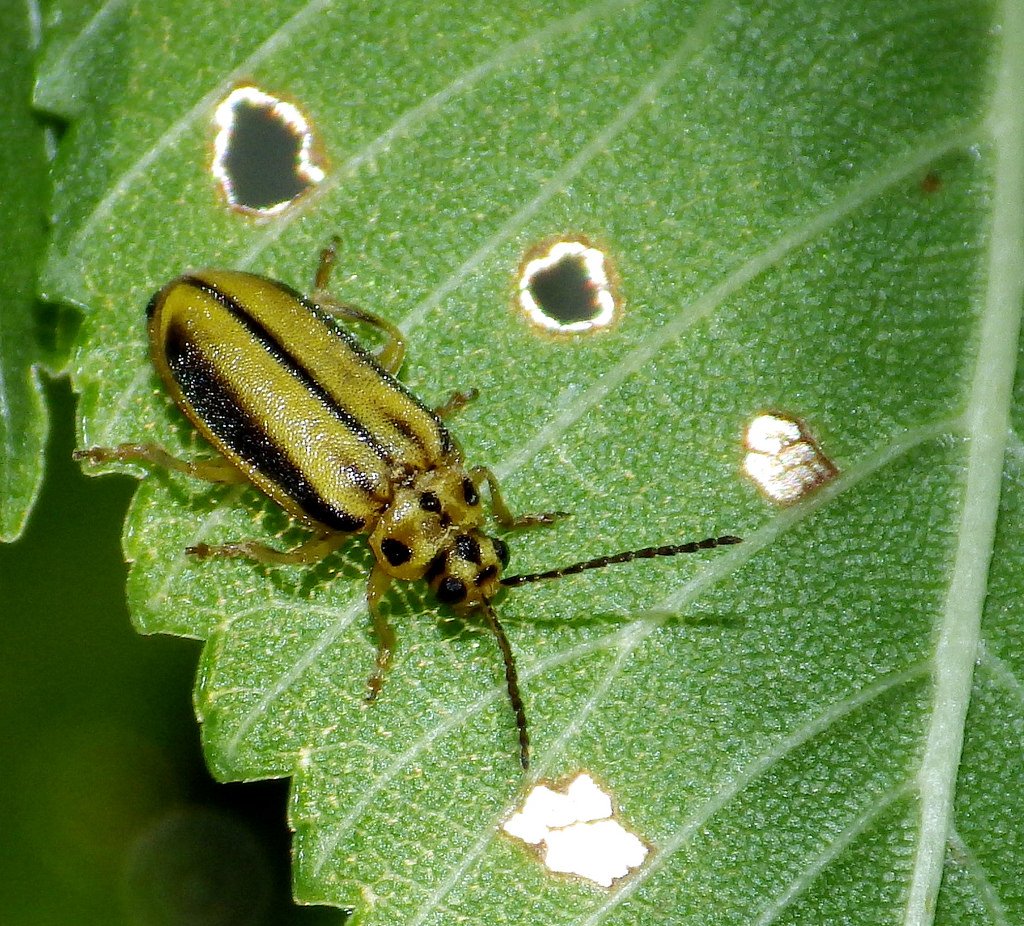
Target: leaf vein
988,419
135,172
986,890
571,404
1001,672
750,772
407,122
830,852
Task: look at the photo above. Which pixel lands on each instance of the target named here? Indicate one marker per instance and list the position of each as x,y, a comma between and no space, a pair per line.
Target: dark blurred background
107,814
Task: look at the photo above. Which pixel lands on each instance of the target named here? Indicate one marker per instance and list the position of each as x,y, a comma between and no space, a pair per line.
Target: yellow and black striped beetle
297,407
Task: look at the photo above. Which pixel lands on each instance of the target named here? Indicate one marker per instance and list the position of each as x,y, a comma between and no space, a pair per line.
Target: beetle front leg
218,470
376,586
481,474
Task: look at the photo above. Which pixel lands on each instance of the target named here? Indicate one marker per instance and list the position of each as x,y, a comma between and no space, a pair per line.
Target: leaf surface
811,207
23,423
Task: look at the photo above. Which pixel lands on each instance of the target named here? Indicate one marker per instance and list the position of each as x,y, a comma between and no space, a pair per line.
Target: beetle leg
310,551
393,352
481,474
456,402
325,266
219,469
376,586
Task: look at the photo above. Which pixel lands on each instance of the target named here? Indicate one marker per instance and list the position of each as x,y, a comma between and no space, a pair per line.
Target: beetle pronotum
297,407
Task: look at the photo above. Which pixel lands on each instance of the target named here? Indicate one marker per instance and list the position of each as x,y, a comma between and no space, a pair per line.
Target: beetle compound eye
395,552
501,549
451,591
469,492
430,502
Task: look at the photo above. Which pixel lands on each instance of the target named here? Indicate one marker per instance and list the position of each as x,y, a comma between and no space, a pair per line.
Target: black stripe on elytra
217,405
403,428
447,441
293,364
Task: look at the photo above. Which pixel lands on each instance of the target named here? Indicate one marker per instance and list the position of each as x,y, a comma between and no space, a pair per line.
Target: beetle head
431,530
468,571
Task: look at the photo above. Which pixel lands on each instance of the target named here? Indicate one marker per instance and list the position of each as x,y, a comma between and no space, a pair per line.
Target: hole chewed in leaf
783,459
565,288
263,156
575,832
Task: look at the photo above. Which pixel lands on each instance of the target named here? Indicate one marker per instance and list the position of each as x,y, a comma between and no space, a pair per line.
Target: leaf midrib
987,421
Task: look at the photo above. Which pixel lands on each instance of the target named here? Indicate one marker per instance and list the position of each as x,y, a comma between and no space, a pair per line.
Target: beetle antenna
694,546
512,681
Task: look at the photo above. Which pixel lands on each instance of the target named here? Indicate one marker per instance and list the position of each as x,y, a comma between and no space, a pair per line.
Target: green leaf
23,423
811,207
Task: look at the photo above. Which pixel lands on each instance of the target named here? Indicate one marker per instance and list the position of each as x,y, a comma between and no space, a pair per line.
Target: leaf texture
811,207
23,423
